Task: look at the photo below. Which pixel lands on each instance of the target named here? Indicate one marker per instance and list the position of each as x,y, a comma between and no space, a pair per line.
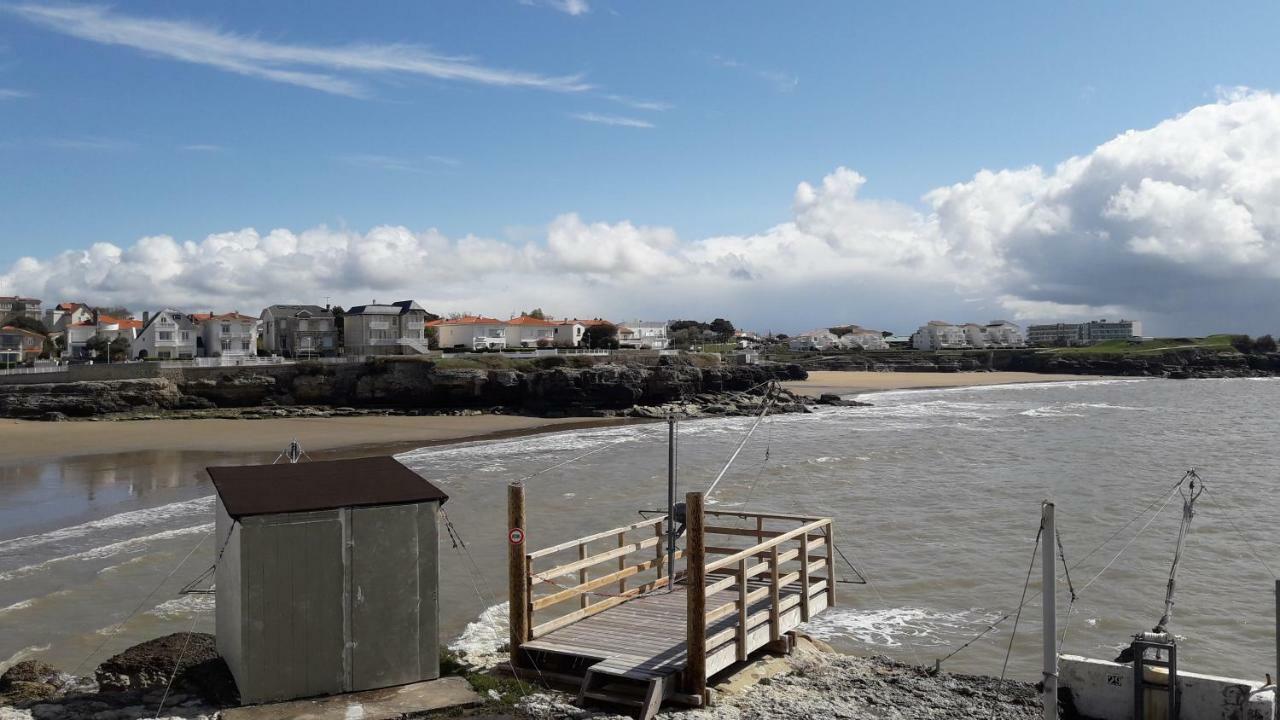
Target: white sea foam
21,655
1049,411
20,605
481,641
106,551
1050,385
893,626
184,607
147,517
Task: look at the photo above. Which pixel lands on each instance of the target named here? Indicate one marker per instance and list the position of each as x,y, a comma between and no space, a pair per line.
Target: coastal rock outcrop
88,398
410,386
191,659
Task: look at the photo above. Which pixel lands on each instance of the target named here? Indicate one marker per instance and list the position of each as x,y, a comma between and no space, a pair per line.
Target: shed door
392,618
294,578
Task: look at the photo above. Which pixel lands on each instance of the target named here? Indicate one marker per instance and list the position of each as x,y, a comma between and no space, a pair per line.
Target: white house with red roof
472,332
227,334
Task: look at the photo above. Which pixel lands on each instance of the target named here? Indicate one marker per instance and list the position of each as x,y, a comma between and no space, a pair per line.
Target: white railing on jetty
35,370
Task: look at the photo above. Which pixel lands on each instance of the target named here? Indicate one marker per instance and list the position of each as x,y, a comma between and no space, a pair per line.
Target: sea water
935,493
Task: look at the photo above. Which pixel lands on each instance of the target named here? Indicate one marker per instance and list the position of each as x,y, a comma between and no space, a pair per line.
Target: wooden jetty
612,621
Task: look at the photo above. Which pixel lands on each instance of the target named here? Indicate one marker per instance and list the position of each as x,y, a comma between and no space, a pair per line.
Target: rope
937,664
1131,540
476,576
154,590
1131,521
763,411
1245,538
177,666
189,588
1016,619
576,458
1062,555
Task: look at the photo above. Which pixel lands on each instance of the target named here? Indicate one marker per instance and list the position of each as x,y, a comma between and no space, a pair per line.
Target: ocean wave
106,551
1051,411
21,655
1048,385
892,627
484,636
20,605
184,606
146,517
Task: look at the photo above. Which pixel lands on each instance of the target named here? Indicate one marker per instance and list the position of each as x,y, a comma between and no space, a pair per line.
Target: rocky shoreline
814,681
414,388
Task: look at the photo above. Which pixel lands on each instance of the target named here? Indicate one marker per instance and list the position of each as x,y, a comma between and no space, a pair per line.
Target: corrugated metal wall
331,601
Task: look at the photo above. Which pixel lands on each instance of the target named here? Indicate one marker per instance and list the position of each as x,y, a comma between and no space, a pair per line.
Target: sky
787,166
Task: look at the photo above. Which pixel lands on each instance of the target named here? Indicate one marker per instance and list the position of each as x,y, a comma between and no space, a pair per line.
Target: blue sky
699,118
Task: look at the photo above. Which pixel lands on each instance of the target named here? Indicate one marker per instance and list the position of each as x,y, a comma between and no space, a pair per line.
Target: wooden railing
595,572
782,557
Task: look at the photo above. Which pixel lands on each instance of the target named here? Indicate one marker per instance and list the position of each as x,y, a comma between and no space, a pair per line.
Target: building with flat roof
1088,333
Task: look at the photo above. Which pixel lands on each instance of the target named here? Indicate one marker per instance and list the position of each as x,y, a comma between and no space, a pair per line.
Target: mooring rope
1016,619
1247,543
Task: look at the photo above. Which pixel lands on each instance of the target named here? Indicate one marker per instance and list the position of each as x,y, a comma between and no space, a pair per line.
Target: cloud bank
1178,225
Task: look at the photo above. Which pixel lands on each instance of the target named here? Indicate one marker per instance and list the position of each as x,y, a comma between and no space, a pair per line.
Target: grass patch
1214,343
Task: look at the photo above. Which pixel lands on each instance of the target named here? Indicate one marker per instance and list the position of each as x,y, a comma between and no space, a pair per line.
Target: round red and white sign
516,536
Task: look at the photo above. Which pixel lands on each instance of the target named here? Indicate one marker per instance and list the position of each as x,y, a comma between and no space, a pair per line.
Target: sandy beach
851,382
29,440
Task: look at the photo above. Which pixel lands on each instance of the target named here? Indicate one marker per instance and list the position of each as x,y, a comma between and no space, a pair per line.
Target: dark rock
152,663
31,671
54,416
838,401
21,693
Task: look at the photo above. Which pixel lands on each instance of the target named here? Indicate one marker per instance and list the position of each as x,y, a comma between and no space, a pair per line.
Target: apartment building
167,335
299,331
395,329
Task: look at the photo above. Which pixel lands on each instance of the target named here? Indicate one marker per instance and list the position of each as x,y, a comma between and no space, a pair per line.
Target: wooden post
742,609
661,560
831,564
1276,678
696,595
517,573
804,577
583,576
622,562
775,619
1049,701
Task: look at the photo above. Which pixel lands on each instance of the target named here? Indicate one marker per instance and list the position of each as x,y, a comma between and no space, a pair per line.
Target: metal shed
328,577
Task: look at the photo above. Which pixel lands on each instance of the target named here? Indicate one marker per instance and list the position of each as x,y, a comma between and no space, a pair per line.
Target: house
226,335
78,334
299,331
568,333
939,335
643,335
472,332
66,314
13,305
864,339
1094,331
529,331
995,334
328,577
18,345
395,329
167,335
821,339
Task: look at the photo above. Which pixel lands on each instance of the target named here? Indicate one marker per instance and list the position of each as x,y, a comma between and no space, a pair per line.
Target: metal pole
1050,698
671,502
1276,678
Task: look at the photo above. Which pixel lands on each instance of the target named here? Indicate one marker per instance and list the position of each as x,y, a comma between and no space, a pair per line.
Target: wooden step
625,700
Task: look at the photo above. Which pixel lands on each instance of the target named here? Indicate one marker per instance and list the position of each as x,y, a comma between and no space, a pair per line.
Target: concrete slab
384,704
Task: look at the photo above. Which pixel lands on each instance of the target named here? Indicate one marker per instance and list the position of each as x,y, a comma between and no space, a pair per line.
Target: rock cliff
605,389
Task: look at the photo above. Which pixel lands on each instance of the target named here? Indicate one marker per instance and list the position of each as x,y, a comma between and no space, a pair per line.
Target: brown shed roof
306,486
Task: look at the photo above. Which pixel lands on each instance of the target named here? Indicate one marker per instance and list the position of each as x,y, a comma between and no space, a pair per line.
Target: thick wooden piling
696,581
517,573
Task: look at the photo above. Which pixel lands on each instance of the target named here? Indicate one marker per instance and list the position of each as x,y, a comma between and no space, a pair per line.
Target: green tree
1264,344
723,328
536,313
603,336
26,323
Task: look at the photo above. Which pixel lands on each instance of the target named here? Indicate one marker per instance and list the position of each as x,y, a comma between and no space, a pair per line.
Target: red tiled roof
531,321
69,307
24,331
471,320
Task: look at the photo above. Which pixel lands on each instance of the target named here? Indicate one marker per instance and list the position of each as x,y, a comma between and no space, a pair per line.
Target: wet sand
843,382
28,440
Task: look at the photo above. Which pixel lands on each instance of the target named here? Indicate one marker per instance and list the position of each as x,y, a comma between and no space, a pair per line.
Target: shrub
1242,343
1264,344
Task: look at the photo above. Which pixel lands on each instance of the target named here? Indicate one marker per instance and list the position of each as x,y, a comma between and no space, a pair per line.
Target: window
244,345
186,336
226,343
164,335
226,328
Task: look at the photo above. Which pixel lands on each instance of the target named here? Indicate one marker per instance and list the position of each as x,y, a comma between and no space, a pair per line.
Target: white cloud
638,104
1178,225
201,147
12,94
615,120
327,69
396,164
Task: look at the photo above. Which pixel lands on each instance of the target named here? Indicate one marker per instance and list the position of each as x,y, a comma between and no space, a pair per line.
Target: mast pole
1049,700
671,502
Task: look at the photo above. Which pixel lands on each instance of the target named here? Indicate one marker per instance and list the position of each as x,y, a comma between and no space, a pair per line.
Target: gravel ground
829,685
